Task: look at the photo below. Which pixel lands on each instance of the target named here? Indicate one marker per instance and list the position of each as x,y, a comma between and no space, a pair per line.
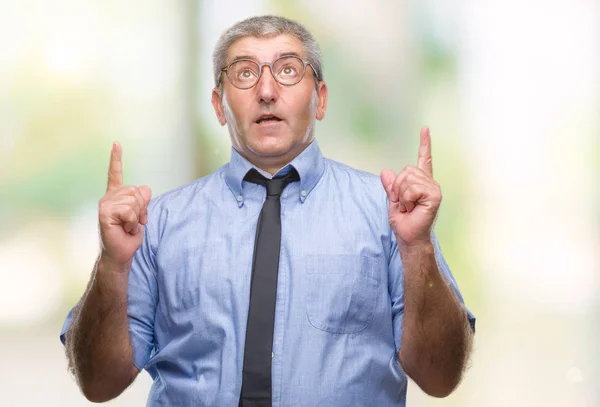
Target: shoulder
361,187
360,197
361,180
181,197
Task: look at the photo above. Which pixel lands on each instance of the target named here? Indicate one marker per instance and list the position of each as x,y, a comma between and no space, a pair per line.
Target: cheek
301,108
241,108
308,111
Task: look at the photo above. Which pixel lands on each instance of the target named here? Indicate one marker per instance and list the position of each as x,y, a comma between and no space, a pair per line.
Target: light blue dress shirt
339,307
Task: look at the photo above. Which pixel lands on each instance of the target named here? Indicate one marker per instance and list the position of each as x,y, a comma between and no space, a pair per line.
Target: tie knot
275,186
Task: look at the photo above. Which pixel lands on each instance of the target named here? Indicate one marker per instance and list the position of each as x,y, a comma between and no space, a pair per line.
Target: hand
122,212
414,198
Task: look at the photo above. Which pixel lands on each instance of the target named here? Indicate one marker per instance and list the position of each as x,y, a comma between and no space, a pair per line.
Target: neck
272,170
272,164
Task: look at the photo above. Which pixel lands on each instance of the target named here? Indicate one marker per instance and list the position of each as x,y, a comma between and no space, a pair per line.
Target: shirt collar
309,164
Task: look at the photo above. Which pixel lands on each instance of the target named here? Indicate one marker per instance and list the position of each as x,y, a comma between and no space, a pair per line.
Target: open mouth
268,119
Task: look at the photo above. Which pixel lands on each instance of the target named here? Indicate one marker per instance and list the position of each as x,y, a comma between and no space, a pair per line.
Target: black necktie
256,374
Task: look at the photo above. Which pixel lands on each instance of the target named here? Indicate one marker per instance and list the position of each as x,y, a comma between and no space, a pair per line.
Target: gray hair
266,27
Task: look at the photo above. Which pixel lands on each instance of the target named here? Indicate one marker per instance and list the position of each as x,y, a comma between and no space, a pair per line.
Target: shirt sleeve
142,297
396,281
66,325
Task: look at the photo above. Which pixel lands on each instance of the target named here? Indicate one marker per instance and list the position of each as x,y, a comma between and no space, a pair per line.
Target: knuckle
102,218
130,219
412,191
129,199
130,213
103,205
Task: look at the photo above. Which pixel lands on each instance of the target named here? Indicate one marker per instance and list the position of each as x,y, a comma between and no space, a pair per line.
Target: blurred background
509,88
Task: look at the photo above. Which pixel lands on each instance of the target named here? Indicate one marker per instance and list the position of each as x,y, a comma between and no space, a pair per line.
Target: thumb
387,179
146,193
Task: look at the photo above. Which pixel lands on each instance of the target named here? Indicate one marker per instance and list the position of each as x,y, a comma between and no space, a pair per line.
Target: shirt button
303,193
272,355
239,198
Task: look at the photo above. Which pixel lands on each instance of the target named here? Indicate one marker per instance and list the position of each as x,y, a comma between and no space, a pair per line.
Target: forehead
265,49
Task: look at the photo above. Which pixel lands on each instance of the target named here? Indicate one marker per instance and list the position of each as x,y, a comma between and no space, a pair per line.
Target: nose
267,87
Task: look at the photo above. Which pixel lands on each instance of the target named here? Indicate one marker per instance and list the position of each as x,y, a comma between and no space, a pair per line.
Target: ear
217,103
322,105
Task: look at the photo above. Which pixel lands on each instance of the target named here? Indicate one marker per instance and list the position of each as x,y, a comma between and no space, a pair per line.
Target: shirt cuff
66,326
142,349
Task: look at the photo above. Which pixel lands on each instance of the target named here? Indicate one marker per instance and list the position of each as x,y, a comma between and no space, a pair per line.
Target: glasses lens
288,70
243,74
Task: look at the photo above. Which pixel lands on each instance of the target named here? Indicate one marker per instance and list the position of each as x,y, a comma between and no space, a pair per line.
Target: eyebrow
281,54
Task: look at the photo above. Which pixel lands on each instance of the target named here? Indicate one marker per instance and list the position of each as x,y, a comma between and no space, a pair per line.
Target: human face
270,144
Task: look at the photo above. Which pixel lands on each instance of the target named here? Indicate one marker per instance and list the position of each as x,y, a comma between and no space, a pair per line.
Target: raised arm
436,335
98,344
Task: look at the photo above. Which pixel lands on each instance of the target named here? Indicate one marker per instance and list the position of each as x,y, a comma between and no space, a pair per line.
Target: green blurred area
61,126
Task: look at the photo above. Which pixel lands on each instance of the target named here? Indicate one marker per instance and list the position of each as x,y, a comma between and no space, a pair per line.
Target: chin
271,151
271,146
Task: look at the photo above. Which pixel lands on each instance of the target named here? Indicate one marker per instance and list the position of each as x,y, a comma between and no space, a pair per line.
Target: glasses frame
270,65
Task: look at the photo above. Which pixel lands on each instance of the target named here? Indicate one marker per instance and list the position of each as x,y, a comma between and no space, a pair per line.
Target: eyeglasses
287,70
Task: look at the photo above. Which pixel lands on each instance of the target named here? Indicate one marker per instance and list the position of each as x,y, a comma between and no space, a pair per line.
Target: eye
288,70
246,74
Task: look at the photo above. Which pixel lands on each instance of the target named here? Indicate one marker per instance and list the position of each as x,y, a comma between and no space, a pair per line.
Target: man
283,278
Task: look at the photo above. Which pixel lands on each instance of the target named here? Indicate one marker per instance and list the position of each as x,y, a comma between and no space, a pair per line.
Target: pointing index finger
115,168
425,162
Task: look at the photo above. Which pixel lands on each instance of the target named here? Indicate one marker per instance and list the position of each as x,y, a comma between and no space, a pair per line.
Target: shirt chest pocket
342,291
